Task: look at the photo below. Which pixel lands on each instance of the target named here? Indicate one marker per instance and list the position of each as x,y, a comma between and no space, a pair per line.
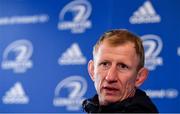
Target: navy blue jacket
139,103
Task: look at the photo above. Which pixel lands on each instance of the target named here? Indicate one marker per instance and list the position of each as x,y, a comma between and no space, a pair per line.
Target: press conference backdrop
45,46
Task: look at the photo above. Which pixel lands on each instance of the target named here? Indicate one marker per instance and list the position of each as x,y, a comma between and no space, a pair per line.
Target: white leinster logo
16,56
81,10
153,46
69,92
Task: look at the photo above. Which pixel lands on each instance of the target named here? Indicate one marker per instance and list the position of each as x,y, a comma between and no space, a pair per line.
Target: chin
110,99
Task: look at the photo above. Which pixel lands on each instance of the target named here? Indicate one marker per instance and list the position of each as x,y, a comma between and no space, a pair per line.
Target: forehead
124,47
125,51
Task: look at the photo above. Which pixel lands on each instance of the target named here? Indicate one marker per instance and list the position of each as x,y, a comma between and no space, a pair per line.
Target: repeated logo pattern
20,62
72,56
153,46
15,95
81,9
76,86
145,14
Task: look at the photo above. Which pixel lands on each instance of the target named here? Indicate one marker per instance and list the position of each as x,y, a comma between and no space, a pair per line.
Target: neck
132,92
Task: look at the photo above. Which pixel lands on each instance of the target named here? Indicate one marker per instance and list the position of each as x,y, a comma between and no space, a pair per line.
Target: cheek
130,84
99,74
97,84
99,77
128,81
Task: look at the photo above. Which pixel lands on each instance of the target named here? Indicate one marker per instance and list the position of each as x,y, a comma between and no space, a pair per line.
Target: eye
122,66
104,64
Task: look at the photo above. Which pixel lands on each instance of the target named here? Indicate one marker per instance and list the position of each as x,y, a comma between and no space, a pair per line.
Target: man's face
114,72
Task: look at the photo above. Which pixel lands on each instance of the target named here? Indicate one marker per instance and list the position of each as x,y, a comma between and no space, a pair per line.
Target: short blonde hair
121,36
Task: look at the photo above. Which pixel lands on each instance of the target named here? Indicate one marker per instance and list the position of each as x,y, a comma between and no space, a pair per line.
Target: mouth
110,90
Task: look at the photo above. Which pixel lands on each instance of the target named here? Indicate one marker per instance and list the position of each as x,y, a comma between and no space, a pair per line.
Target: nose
111,76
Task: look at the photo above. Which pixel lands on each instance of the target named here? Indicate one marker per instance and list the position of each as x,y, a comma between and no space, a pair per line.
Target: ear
141,76
91,69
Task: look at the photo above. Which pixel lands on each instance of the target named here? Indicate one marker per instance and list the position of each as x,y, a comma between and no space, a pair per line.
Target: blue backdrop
45,47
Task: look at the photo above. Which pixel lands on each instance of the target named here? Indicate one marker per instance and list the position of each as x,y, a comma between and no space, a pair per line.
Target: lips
110,90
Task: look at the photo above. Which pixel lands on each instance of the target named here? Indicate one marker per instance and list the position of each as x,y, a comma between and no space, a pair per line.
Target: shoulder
141,103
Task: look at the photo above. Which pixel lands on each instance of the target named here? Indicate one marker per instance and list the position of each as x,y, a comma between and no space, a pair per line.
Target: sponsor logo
163,93
145,14
16,56
153,46
42,18
69,93
15,95
72,56
80,10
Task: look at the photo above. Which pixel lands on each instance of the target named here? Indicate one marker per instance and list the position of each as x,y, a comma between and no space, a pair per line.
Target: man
117,70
